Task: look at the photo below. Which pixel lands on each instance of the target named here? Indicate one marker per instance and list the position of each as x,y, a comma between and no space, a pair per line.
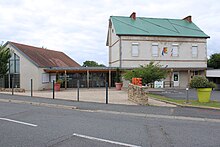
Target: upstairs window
175,50
135,50
194,51
155,50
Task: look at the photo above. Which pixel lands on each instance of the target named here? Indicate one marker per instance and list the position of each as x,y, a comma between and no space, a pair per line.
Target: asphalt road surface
39,122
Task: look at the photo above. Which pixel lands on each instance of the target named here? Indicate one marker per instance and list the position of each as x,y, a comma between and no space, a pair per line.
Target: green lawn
214,104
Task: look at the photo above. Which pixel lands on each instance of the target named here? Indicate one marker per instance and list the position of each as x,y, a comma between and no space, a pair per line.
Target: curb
38,104
187,105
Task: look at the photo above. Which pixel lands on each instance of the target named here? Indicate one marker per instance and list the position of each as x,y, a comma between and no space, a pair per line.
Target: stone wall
10,90
137,94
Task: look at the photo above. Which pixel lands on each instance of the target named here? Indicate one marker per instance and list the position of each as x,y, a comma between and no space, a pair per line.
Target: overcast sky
79,28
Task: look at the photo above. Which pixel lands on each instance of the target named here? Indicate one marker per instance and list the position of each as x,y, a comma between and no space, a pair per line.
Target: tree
214,61
4,60
149,73
92,64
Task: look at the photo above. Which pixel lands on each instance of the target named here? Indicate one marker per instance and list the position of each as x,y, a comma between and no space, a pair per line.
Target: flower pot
118,86
204,94
57,87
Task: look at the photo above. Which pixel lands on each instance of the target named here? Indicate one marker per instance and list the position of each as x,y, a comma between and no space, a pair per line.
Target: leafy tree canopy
214,61
92,64
149,73
4,59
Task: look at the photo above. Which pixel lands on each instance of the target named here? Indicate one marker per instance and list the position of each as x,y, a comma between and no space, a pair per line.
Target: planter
57,87
204,94
118,86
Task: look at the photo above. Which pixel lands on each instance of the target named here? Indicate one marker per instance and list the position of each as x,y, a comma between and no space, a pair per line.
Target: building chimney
133,16
188,18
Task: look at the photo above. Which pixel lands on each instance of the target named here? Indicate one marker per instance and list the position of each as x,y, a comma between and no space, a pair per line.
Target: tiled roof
155,27
45,57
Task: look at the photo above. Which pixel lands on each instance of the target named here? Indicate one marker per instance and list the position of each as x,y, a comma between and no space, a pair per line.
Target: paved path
92,95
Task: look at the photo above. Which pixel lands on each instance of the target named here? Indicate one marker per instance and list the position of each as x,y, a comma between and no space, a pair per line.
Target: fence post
106,96
12,85
187,95
78,90
53,90
31,87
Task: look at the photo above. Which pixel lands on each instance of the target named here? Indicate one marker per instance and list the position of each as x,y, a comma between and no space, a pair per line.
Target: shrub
59,81
149,73
212,85
118,76
201,82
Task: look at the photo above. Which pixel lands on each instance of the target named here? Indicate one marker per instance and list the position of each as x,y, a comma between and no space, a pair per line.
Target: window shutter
134,50
194,51
155,50
175,51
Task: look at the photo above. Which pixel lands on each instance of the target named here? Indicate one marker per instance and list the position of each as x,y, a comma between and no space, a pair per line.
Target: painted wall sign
164,51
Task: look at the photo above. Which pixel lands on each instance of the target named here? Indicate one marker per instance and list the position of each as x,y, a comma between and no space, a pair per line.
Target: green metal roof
156,27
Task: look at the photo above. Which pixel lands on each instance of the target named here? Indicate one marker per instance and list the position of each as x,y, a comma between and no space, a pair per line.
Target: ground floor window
7,83
96,79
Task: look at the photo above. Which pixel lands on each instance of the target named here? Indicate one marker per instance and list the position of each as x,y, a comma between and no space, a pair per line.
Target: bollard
31,87
53,90
187,95
78,90
106,97
12,85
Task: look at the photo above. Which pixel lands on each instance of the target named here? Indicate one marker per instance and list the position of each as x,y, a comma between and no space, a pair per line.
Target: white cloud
79,28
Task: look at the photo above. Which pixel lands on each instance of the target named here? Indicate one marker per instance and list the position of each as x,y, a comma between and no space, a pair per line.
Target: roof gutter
163,36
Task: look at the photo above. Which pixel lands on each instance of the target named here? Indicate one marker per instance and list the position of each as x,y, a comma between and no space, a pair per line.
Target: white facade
184,59
213,73
28,71
184,55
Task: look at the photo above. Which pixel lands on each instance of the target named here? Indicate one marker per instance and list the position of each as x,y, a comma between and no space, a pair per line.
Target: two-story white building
177,44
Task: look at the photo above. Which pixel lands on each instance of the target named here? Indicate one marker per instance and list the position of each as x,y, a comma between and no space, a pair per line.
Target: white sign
158,84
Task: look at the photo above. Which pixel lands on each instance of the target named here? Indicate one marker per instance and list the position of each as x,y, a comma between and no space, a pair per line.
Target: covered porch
89,77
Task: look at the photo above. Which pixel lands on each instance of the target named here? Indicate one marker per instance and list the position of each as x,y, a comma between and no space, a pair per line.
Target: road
45,122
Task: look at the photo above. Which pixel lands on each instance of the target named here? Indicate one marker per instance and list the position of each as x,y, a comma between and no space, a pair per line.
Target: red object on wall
134,81
137,81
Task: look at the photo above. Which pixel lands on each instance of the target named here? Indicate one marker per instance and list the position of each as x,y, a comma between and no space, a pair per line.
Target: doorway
176,82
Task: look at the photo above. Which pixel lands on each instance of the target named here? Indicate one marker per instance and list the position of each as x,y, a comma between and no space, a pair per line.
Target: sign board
158,84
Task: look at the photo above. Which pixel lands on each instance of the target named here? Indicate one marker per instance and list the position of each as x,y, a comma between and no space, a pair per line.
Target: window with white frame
175,50
194,50
155,50
135,50
45,78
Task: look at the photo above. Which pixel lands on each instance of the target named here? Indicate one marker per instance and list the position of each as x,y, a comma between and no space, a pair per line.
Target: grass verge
214,104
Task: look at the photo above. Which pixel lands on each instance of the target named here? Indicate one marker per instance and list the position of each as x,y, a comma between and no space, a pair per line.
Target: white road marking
19,122
104,140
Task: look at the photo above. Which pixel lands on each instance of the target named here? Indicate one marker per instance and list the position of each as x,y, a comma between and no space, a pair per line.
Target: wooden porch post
87,78
189,77
65,80
171,73
109,78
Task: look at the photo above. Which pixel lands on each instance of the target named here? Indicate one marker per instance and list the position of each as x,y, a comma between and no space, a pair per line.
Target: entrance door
176,79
